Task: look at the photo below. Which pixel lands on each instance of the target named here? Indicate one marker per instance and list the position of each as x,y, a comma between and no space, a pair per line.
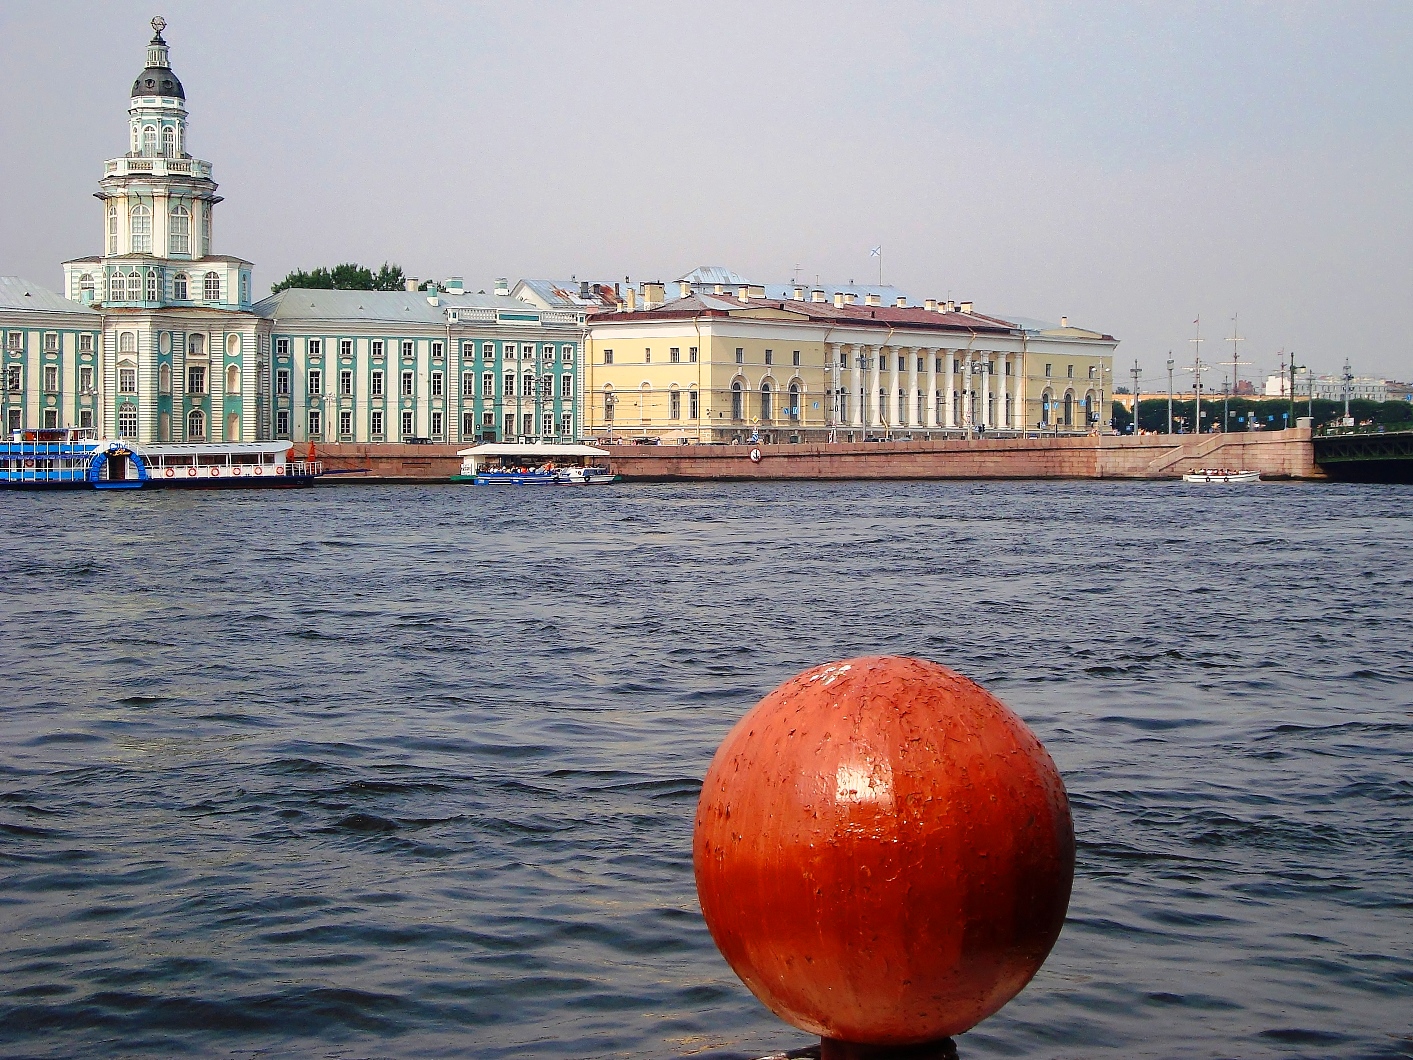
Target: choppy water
410,772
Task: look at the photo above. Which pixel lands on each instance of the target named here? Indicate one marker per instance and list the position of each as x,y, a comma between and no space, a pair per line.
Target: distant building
1327,387
717,368
586,296
49,347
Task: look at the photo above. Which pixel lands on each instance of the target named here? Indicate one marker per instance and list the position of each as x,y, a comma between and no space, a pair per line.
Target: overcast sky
1133,166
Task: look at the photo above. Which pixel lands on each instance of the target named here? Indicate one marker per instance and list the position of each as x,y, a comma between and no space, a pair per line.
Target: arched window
152,285
738,405
196,345
112,228
206,229
149,140
134,287
127,342
141,229
127,421
767,409
195,426
211,287
86,288
233,379
179,287
164,379
1089,416
794,411
1047,404
608,404
1069,408
169,141
179,230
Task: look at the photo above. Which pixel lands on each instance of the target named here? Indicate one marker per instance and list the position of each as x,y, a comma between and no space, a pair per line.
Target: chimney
410,283
584,292
817,295
502,286
850,298
966,307
951,307
872,299
902,302
654,294
632,296
718,289
684,288
744,294
799,294
756,291
930,305
455,285
432,296
1064,322
838,299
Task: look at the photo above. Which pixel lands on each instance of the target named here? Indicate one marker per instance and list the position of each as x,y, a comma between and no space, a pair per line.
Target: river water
410,771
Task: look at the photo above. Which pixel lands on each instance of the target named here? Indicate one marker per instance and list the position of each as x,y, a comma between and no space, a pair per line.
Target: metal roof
713,274
18,293
386,306
564,294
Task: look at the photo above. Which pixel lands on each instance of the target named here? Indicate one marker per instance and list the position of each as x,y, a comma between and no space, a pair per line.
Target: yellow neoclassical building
728,367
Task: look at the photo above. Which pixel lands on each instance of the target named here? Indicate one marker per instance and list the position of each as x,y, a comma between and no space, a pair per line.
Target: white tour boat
534,464
1221,475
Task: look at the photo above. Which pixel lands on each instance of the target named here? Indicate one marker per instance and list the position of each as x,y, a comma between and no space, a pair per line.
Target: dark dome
158,81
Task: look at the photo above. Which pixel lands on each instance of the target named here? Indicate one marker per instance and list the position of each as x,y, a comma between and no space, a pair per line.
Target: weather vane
158,25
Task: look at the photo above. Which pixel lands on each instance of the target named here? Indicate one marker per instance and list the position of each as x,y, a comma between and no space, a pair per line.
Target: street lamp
1170,391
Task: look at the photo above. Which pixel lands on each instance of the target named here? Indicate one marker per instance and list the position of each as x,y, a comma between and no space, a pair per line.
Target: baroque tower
181,358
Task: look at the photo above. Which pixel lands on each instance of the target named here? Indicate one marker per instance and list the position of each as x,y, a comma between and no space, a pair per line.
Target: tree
347,277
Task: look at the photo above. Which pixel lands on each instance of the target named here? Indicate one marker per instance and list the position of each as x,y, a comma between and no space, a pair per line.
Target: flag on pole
876,252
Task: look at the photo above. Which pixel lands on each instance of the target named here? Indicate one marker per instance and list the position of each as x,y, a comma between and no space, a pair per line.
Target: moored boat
534,464
1227,475
75,458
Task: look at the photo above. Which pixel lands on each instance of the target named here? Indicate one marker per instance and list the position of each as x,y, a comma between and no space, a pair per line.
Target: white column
833,376
931,396
911,415
985,390
1009,382
949,396
873,353
856,386
896,417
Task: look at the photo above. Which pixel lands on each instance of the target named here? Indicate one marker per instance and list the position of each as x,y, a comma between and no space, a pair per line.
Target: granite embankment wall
1276,454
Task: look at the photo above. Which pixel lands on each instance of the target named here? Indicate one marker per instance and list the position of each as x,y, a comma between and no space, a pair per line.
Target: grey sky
1131,166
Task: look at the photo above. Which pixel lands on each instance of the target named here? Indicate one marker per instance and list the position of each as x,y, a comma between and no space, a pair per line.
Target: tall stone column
873,354
950,393
857,396
930,399
985,414
834,383
910,412
895,416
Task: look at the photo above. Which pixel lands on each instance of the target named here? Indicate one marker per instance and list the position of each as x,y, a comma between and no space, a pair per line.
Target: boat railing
304,468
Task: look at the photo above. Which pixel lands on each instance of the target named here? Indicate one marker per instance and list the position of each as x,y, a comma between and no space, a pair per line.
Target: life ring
170,472
29,463
191,472
215,472
235,470
279,469
755,456
257,469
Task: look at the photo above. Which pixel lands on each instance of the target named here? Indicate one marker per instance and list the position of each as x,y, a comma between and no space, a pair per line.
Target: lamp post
1348,378
1136,373
1170,391
1293,367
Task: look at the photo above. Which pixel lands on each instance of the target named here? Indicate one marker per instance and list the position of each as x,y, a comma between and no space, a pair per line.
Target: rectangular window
488,385
346,424
377,347
375,423
468,384
568,357
316,347
85,344
195,380
902,363
282,423
548,425
407,423
436,384
345,347
795,358
406,384
607,356
937,365
1069,371
436,424
691,355
920,364
1091,371
51,342
436,349
407,349
86,419
488,351
566,386
740,355
508,390
1047,371
282,382
647,356
608,407
566,425
51,418
674,355
316,382
377,384
468,350
529,423
528,352
346,383
51,378
468,424
674,405
488,419
691,404
86,380
282,347
769,357
316,423
15,340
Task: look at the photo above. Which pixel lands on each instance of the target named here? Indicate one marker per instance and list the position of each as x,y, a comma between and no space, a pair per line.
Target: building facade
710,368
181,356
49,358
445,366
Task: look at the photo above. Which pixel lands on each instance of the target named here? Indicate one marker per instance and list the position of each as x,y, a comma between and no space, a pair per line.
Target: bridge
1366,456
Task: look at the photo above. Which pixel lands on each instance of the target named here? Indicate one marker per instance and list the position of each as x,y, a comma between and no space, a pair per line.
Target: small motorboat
1221,474
534,464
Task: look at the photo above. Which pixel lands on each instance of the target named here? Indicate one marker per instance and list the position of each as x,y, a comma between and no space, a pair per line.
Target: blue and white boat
534,464
75,458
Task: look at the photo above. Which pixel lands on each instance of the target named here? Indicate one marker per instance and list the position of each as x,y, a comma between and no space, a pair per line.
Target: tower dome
158,79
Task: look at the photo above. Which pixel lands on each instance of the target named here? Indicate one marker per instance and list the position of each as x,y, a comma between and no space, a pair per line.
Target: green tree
346,277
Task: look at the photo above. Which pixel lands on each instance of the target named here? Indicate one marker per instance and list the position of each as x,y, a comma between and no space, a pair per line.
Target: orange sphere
883,851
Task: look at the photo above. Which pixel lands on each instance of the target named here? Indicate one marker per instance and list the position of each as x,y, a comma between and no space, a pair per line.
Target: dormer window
149,139
179,287
169,141
211,287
